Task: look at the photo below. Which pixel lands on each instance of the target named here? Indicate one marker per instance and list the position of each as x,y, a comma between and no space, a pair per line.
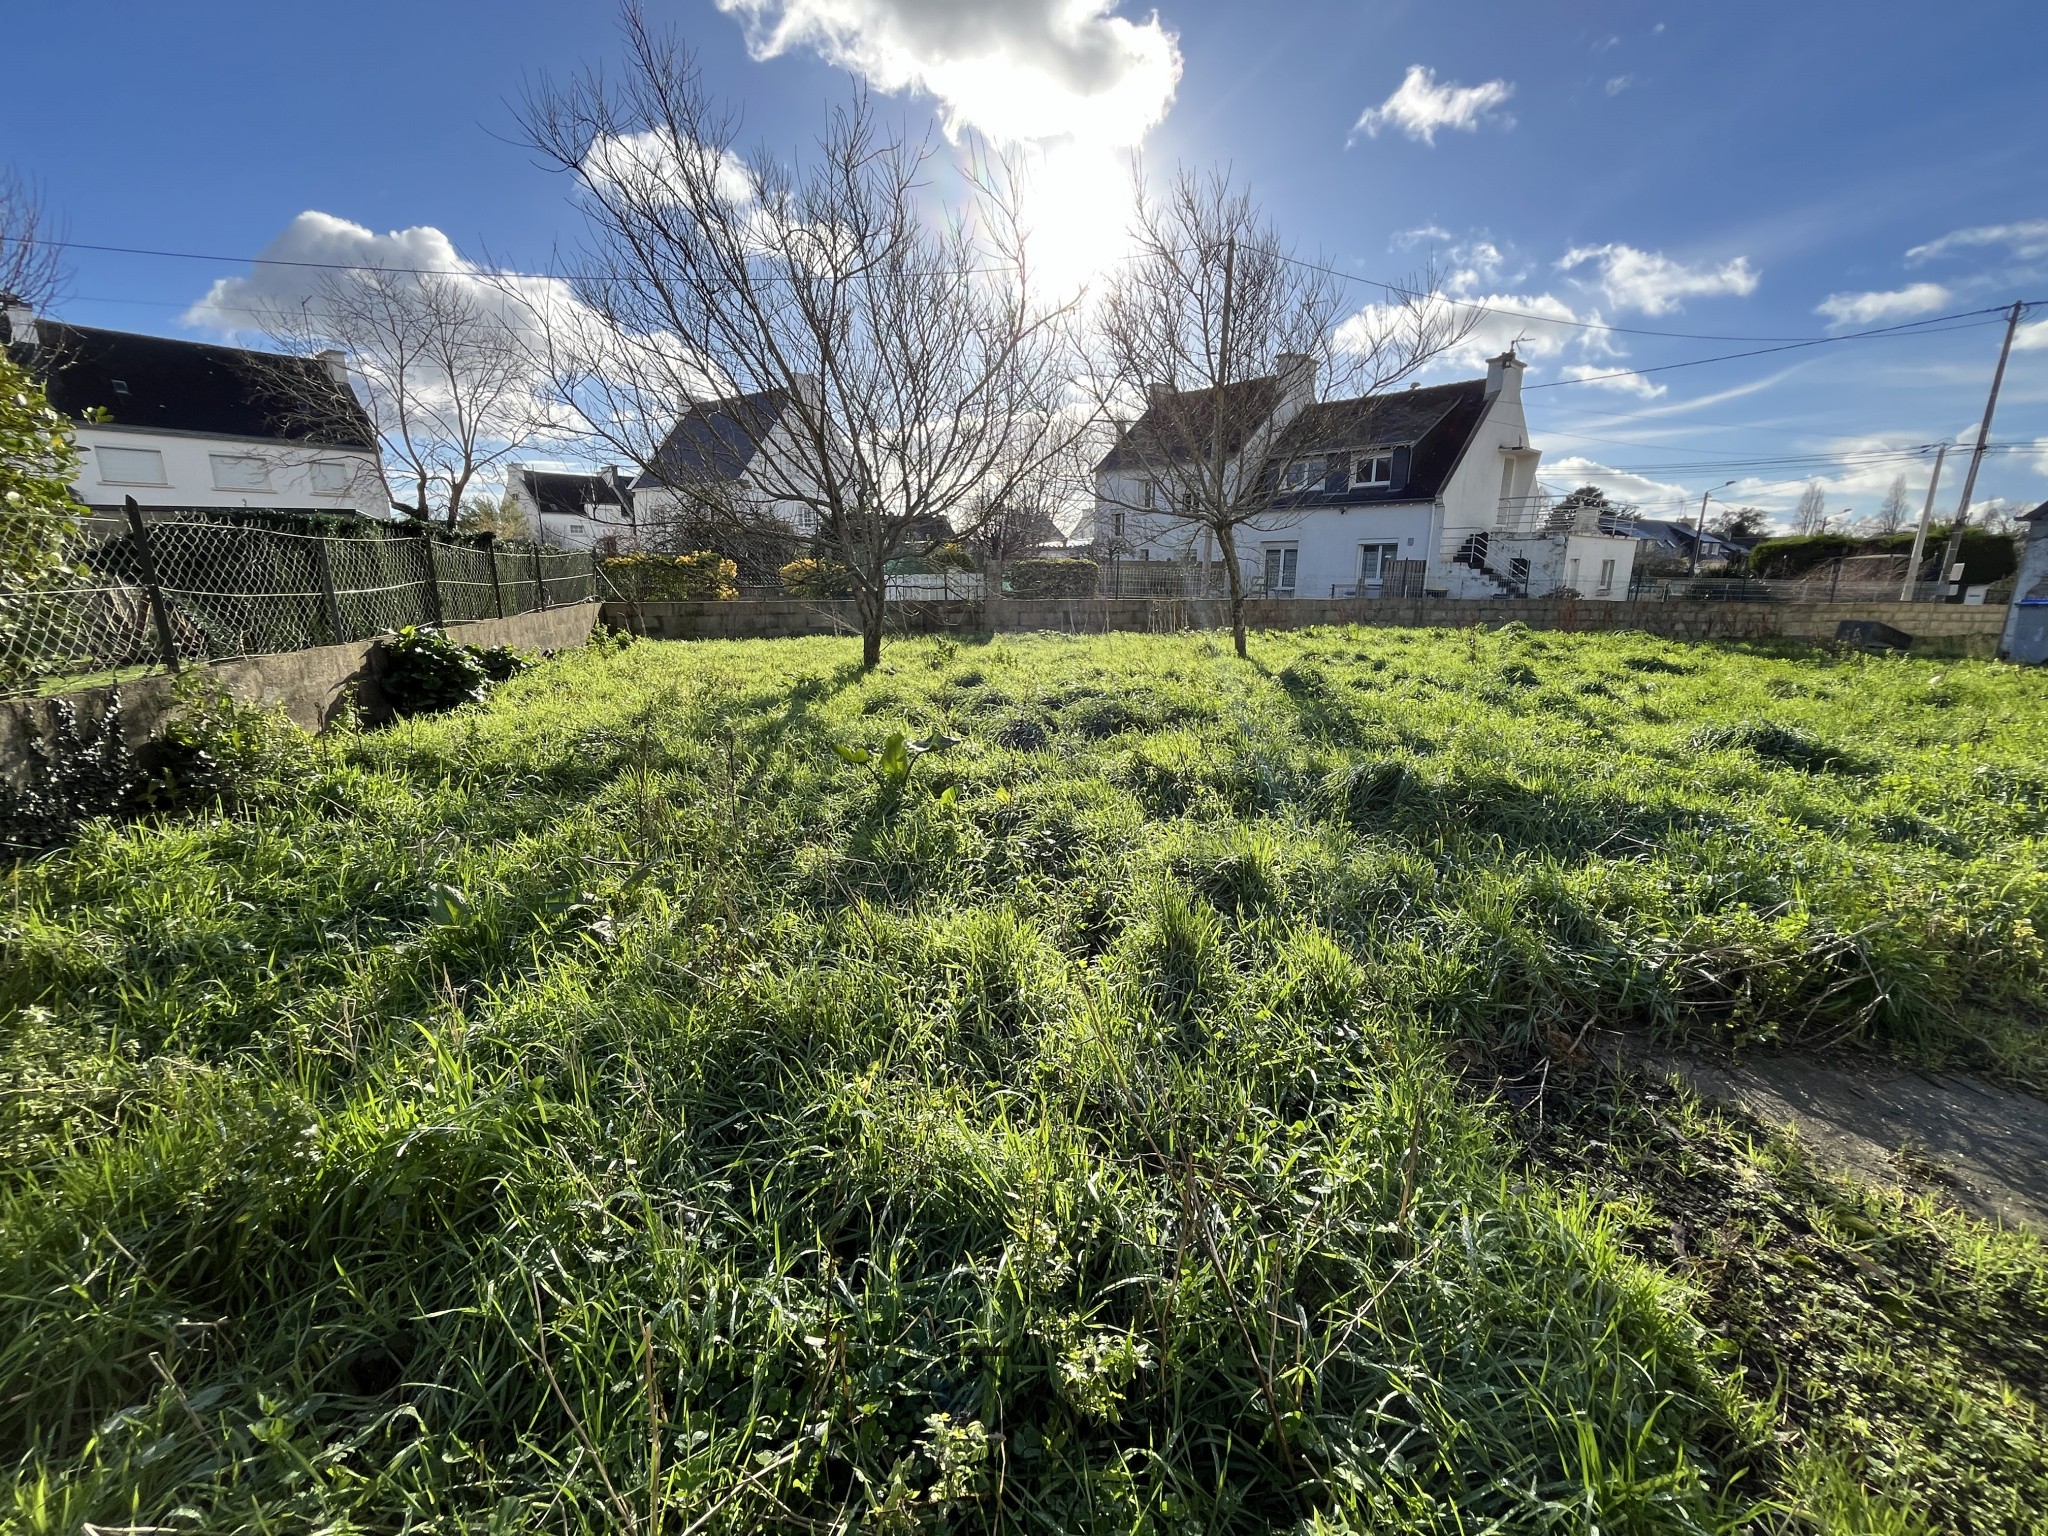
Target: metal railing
152,589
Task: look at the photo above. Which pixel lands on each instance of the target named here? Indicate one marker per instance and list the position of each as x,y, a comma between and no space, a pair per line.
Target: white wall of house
1340,551
190,469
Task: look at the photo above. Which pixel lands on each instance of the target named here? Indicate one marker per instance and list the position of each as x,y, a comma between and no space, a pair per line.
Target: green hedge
703,576
1986,556
816,579
1053,578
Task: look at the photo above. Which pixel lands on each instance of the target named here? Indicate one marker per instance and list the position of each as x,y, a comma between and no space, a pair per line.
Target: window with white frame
1146,495
1606,578
1305,474
1571,578
130,466
330,476
1373,561
1375,468
1281,560
1116,525
239,472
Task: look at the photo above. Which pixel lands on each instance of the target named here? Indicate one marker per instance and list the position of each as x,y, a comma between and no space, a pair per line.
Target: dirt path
1980,1147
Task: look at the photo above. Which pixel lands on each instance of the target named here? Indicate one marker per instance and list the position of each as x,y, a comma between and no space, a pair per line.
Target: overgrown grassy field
607,1108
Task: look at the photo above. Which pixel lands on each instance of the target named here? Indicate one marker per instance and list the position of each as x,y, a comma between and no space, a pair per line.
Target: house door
1373,561
1281,560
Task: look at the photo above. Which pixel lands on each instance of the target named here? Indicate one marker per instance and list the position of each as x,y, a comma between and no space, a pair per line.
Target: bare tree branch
31,250
1209,342
899,366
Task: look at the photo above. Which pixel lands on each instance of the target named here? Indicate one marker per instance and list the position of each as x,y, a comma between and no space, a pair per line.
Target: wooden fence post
146,558
497,586
325,562
540,584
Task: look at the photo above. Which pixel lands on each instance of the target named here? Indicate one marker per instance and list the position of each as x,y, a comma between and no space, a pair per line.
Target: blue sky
1729,171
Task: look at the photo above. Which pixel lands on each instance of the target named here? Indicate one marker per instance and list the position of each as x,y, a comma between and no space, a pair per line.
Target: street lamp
1699,527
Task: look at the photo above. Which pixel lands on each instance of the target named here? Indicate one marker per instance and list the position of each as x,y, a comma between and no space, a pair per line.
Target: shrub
703,576
424,672
950,557
816,578
37,514
1053,578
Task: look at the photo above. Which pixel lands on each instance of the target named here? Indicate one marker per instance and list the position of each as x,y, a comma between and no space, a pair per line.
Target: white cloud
2026,240
649,161
1655,284
1656,498
1619,84
1424,234
2032,336
1601,377
1870,308
1016,70
1538,326
1420,106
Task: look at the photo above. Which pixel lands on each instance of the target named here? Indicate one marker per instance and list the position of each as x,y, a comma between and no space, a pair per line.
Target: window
239,472
120,386
1572,575
330,476
1116,525
131,466
1280,565
1146,498
1606,578
1373,560
1304,474
1375,468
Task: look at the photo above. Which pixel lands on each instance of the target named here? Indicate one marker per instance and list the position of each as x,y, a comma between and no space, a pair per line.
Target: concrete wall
1934,625
310,686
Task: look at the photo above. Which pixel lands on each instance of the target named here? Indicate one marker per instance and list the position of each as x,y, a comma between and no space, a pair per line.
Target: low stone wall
310,686
1934,626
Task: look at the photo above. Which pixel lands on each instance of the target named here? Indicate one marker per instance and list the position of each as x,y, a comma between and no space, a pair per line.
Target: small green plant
423,671
892,762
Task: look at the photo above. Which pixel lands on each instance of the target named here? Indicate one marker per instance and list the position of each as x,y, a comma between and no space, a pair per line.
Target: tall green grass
604,1108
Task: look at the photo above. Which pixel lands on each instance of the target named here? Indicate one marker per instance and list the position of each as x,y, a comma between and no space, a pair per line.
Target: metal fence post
426,538
497,586
325,562
146,558
540,584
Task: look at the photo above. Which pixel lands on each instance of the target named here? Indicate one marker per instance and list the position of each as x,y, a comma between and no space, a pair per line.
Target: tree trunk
873,610
1226,544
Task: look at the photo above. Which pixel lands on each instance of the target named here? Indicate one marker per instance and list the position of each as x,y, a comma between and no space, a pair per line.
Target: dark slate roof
564,493
717,439
1433,424
1178,425
2038,515
170,385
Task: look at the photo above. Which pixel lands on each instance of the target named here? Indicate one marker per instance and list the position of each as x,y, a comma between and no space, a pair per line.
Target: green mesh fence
218,585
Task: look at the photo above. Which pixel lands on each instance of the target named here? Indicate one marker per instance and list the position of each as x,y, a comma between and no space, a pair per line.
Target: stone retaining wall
310,686
1934,626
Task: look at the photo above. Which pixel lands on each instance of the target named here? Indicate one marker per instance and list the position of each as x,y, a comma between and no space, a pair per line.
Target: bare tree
1897,510
912,373
31,248
1811,515
1218,334
448,379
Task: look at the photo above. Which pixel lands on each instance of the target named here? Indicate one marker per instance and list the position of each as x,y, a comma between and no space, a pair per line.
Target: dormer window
1374,469
120,386
1304,474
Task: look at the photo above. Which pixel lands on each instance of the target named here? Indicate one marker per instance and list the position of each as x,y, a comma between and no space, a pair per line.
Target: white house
187,424
737,453
1424,490
570,509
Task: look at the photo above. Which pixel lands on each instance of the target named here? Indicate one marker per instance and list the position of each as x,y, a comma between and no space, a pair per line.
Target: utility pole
1955,534
1908,591
1699,526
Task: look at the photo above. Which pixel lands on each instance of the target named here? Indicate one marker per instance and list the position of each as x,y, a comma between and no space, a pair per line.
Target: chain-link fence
135,593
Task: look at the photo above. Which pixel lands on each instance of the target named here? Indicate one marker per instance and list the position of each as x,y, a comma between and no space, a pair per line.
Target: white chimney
1297,378
21,320
337,365
1504,376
